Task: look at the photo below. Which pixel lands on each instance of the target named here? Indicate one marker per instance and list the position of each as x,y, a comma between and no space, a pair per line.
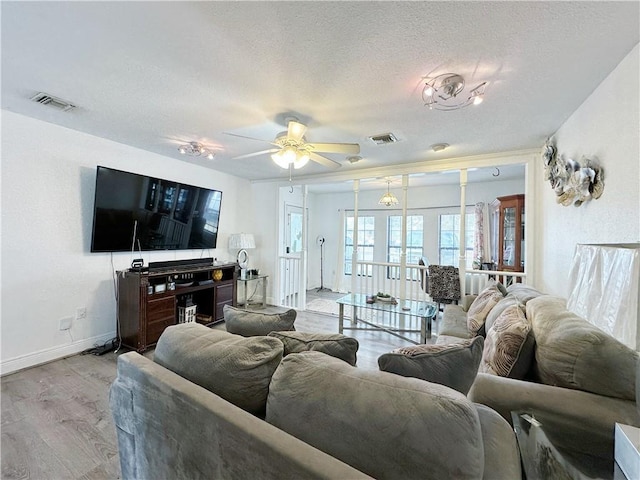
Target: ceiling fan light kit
447,92
195,149
292,150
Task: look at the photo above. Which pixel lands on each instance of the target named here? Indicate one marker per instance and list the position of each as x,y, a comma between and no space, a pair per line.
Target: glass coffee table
396,319
552,449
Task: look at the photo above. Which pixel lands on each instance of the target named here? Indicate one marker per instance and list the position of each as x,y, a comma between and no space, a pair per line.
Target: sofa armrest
581,414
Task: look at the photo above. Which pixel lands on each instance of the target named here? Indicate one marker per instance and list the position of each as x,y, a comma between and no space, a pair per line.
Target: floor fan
320,241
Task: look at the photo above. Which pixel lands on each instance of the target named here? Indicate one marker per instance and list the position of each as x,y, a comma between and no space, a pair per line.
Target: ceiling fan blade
250,138
255,154
296,130
352,148
323,160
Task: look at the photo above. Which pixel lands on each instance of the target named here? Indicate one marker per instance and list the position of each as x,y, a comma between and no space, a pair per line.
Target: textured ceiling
156,74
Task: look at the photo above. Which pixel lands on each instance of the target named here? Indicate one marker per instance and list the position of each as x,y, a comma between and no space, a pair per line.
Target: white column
463,210
303,274
403,248
354,258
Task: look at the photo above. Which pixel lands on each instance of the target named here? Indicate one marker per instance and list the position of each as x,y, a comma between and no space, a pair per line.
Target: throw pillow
249,324
334,344
508,349
482,305
454,365
385,425
235,368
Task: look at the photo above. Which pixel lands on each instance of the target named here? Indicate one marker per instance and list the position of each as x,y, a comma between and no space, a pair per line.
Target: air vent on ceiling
46,99
383,139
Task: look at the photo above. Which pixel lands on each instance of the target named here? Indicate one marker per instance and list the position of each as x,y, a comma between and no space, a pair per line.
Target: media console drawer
161,309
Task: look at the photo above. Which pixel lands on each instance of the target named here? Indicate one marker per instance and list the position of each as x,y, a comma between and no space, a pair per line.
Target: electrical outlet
81,312
65,323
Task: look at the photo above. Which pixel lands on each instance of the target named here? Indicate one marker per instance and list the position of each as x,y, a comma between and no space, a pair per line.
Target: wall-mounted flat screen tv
136,212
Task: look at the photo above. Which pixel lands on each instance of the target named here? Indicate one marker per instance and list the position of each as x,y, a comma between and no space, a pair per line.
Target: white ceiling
156,74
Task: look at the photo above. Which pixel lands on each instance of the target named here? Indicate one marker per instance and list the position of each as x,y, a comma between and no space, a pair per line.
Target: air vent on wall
51,101
383,139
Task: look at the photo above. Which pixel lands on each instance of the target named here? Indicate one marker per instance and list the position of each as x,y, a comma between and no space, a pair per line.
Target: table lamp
242,242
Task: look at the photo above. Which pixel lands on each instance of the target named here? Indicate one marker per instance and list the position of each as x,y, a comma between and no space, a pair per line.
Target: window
449,239
415,239
211,212
366,227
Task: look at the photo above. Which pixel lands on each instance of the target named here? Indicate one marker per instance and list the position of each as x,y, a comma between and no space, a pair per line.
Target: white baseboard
43,356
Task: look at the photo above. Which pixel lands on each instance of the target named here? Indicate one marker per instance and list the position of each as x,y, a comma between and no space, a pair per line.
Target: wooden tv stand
147,304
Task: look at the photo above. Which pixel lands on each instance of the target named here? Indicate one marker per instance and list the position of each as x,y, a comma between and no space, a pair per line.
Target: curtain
478,236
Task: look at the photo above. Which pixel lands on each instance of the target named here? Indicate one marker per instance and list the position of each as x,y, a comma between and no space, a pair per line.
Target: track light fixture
195,149
447,92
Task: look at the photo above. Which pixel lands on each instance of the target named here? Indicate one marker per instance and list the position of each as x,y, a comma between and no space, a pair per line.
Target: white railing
374,277
290,282
475,280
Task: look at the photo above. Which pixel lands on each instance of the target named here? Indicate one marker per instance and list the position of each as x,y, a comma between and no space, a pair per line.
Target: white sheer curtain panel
478,236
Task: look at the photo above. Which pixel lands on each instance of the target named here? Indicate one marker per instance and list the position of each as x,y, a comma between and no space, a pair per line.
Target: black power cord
106,347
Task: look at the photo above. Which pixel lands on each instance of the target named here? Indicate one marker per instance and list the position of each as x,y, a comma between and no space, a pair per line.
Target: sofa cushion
235,368
248,323
454,365
385,425
523,292
509,345
453,322
482,305
334,344
572,353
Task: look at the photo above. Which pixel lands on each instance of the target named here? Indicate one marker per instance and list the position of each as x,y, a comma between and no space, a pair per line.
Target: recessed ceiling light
438,147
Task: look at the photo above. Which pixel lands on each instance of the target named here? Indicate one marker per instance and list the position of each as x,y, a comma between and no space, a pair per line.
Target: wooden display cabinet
511,245
148,302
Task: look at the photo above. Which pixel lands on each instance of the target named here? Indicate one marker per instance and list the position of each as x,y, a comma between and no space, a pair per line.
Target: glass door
509,240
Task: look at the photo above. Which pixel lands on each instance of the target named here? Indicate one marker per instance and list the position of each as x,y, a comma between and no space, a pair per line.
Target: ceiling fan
290,148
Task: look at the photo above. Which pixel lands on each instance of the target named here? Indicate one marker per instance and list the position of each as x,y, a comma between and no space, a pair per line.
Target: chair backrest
444,283
424,274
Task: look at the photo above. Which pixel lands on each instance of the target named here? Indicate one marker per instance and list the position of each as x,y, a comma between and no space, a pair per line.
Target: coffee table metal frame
425,311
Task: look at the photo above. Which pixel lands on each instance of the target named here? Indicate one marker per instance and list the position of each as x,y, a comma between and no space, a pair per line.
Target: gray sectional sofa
237,409
569,369
214,404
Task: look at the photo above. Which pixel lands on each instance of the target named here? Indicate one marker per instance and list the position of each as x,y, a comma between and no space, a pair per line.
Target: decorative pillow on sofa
482,305
508,348
385,425
454,365
334,344
249,324
235,368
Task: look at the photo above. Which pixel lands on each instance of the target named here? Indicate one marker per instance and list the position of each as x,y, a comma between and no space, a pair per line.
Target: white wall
607,126
48,183
325,217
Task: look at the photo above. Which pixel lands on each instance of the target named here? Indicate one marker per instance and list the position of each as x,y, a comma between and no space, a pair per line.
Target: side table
550,449
254,278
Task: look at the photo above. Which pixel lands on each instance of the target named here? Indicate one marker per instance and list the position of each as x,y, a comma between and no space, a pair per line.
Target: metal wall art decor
573,182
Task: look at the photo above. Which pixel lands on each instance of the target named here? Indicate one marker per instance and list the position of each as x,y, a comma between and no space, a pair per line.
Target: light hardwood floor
56,422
